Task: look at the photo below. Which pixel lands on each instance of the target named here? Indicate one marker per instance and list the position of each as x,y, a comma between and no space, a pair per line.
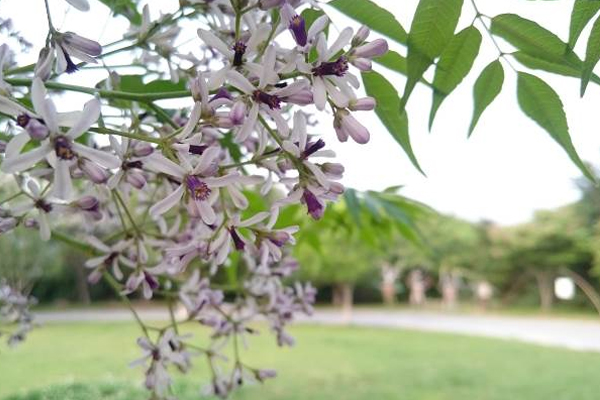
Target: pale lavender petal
90,114
167,203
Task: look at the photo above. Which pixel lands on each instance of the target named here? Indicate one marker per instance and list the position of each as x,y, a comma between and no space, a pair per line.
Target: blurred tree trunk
544,281
389,275
343,297
449,284
417,286
81,284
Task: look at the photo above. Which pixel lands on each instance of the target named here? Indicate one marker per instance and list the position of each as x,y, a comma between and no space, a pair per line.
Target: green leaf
583,12
543,105
486,89
533,39
553,67
353,204
432,28
126,8
370,14
393,61
396,63
592,56
388,104
455,63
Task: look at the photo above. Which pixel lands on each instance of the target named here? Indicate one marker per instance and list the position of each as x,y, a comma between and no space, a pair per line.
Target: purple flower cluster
163,204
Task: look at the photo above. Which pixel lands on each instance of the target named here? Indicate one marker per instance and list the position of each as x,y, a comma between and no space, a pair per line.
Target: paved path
570,333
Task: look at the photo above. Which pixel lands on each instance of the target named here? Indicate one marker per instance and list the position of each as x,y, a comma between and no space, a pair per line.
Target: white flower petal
211,40
63,186
240,82
25,160
159,163
103,158
90,114
167,203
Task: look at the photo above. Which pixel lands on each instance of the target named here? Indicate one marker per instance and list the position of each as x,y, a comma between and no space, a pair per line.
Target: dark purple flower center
71,66
111,257
23,120
239,49
197,149
312,148
133,164
337,68
63,149
197,188
274,102
237,240
298,28
43,205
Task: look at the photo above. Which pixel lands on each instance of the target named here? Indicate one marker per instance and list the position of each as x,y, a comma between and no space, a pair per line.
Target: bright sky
508,169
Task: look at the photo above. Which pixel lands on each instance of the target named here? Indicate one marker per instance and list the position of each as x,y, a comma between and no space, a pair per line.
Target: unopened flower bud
87,203
135,179
362,104
314,206
336,188
238,113
36,129
93,171
361,35
346,125
43,67
363,64
376,48
142,149
334,169
302,98
85,45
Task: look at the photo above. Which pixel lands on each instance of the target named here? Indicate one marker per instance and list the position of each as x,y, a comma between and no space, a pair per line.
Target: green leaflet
432,28
396,63
558,68
533,39
543,105
592,56
388,104
373,16
583,12
455,63
486,89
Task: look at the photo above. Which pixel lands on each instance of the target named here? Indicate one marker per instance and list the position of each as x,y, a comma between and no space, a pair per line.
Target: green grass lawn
90,361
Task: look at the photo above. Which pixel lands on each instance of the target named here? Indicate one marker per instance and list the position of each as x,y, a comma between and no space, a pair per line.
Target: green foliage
455,63
486,89
540,102
583,12
126,8
369,13
592,56
388,104
431,30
